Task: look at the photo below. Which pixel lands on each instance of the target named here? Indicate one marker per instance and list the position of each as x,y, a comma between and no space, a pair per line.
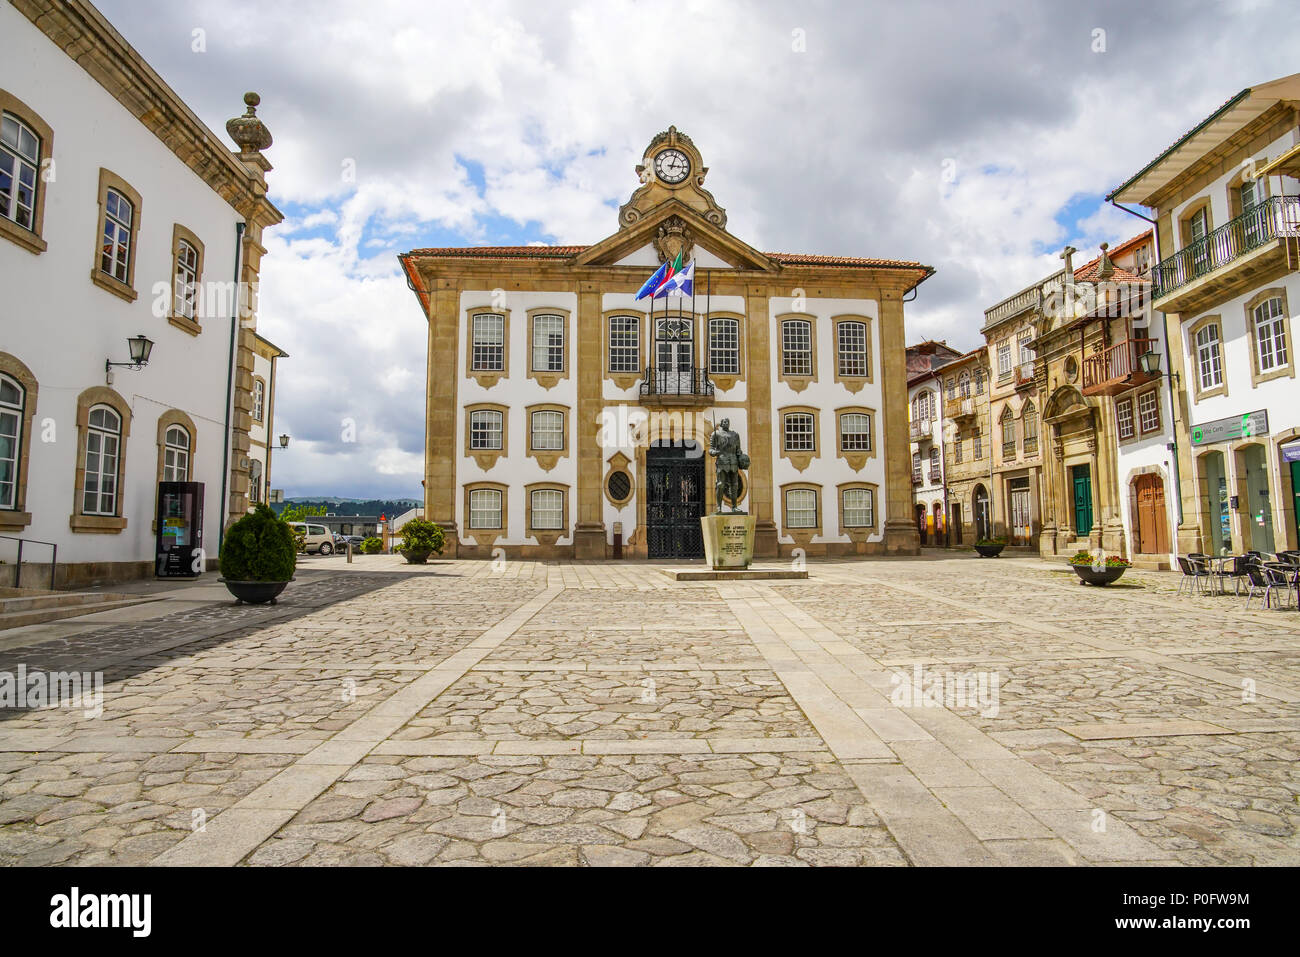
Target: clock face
672,165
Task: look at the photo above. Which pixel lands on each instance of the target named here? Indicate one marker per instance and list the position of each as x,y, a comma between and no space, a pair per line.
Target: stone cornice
88,38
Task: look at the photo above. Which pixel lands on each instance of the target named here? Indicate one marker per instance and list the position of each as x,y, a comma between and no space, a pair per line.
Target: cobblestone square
928,711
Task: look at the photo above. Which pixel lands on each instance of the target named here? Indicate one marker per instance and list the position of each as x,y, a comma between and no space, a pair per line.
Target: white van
318,538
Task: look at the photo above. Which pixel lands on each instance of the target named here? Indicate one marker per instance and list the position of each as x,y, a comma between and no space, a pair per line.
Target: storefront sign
1234,427
1291,453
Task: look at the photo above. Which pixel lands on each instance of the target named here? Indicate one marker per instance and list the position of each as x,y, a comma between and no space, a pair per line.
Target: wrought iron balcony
916,478
1031,444
1025,376
1116,369
935,478
1277,216
689,387
919,429
956,408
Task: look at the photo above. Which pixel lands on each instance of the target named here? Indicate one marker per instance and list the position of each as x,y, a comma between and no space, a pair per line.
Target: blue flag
653,282
681,283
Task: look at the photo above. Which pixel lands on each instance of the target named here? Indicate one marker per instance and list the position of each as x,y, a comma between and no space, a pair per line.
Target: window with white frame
858,508
724,346
799,432
1209,363
1008,432
963,384
12,396
485,508
800,508
488,343
1270,334
852,348
1004,358
624,344
548,431
977,443
485,429
548,343
548,509
176,455
259,399
1124,417
855,432
115,251
796,347
187,280
1026,351
956,448
1030,418
950,387
20,158
1149,411
979,381
103,441
255,481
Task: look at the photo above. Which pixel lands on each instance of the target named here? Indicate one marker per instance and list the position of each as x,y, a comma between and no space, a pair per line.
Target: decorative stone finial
248,132
1105,268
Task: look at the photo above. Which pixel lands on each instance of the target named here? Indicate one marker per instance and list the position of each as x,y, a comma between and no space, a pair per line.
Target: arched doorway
1214,499
983,517
674,499
921,514
938,523
1151,525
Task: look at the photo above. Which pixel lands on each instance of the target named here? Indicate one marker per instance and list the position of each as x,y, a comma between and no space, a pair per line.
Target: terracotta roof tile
563,252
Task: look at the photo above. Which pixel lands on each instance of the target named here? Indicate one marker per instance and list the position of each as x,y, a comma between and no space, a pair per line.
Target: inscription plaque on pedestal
728,540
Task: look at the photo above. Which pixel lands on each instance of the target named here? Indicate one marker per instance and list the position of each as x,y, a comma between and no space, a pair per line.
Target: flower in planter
1099,561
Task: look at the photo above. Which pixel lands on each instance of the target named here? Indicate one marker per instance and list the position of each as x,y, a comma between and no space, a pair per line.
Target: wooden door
1152,524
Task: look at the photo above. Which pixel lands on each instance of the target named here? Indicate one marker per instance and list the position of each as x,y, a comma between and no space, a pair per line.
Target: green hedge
258,548
372,546
420,535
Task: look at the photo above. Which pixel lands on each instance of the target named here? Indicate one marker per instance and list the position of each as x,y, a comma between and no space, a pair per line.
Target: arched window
187,279
103,442
963,384
12,399
259,399
1030,418
1008,432
115,250
20,159
176,455
254,481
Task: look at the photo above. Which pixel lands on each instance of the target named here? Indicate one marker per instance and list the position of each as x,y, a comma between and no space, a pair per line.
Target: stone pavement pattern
471,714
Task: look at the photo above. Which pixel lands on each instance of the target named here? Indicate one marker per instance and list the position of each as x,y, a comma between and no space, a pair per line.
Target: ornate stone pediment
660,183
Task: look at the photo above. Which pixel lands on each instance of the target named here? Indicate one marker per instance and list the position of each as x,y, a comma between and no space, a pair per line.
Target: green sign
1234,427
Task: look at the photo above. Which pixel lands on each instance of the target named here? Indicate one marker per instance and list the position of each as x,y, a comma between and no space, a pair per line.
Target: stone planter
254,593
990,551
1092,576
416,556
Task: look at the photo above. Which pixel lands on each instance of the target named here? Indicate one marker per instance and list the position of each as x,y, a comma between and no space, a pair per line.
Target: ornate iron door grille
674,502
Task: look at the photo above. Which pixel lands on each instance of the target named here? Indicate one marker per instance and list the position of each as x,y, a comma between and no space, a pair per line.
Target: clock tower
671,168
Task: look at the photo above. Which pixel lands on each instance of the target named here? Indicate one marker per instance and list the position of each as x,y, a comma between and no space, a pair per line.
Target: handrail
1262,223
18,562
1116,362
658,381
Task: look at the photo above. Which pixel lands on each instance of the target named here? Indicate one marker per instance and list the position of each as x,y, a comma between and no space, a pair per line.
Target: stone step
39,616
56,599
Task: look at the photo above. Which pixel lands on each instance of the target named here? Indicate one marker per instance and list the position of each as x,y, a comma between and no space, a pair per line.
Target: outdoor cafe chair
1237,573
1261,584
1283,577
1193,572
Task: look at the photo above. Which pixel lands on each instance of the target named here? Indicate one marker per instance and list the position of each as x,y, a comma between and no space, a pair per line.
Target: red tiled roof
802,259
1114,251
563,252
1088,273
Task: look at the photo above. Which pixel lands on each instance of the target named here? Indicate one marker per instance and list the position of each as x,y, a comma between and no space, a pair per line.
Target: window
254,481
1149,411
724,347
951,387
800,508
796,347
548,509
916,468
853,348
1208,362
485,508
921,404
934,464
176,456
548,343
956,449
1124,418
187,280
259,399
485,429
1030,417
858,508
548,432
1026,351
979,381
20,158
855,432
1008,432
103,439
799,432
115,252
977,441
489,343
963,384
11,439
1270,334
624,344
1004,359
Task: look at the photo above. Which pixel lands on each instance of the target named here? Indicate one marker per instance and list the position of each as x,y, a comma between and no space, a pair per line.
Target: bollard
349,553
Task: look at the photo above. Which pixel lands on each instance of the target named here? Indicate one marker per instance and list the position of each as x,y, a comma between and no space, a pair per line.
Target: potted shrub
372,545
420,539
258,556
990,547
1098,569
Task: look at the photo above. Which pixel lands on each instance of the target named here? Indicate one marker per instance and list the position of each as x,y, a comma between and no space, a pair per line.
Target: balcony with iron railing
919,429
959,408
1024,376
935,477
916,476
1228,260
687,387
1030,445
1116,369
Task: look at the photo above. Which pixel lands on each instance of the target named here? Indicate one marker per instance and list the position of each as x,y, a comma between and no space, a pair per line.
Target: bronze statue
724,447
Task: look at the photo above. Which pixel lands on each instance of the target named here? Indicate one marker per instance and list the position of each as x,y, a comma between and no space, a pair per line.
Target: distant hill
353,506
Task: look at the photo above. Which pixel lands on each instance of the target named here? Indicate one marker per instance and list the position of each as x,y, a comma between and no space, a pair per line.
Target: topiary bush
259,548
372,546
421,535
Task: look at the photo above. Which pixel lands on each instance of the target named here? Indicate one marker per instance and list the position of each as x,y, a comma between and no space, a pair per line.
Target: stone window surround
546,536
1194,356
1130,418
1137,411
253,392
31,240
854,383
487,378
123,290
801,459
78,521
545,378
547,458
1187,213
487,458
859,532
802,536
727,380
184,323
624,380
486,536
1278,372
618,462
857,458
18,518
796,382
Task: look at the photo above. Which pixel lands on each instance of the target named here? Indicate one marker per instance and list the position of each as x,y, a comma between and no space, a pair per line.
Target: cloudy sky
976,137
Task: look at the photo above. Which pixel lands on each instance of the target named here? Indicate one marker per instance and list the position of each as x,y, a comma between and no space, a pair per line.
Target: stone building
925,432
967,457
566,418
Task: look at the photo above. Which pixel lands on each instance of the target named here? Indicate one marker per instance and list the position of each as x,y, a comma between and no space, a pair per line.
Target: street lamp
139,348
284,441
1150,363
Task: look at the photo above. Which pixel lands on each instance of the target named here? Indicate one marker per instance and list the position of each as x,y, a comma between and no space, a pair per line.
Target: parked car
316,537
341,542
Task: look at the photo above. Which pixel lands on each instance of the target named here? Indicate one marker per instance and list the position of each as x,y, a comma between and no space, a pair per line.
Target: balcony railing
1025,375
959,408
1031,444
687,385
1117,368
1274,217
916,478
935,478
919,429
1009,450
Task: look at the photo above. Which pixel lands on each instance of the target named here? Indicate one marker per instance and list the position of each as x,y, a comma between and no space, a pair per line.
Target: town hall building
565,418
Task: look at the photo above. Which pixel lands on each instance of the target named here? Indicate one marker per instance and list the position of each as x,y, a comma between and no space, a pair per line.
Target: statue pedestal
728,540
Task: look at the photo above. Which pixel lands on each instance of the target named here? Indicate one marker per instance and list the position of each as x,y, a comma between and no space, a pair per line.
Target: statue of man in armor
724,447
